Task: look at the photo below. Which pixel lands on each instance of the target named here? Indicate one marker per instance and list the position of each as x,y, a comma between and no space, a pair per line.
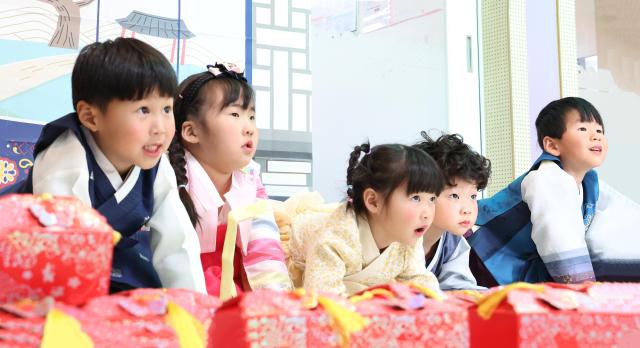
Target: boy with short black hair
466,172
109,153
556,222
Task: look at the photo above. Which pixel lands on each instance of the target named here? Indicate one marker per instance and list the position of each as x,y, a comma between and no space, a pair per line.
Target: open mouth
420,231
597,149
152,150
248,146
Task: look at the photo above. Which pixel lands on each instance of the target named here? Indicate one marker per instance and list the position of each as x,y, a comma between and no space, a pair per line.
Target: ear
88,115
551,146
372,201
189,132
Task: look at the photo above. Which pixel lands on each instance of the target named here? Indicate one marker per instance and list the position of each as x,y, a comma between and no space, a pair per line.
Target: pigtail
354,160
179,164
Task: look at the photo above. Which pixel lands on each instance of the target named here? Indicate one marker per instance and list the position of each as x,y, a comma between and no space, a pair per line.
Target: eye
415,198
474,197
582,129
167,109
252,117
454,196
235,114
143,110
432,199
600,131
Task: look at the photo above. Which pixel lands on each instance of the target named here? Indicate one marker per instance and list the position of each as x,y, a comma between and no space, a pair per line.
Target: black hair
385,167
551,121
194,96
456,159
124,68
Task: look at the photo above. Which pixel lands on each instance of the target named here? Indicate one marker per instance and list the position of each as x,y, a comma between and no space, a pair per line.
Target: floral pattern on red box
555,315
53,247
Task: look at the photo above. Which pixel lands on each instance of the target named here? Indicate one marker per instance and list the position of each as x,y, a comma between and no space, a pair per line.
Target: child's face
229,137
583,145
407,217
135,132
457,207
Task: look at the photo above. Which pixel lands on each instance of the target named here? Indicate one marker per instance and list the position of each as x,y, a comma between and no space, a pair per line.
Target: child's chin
458,232
148,164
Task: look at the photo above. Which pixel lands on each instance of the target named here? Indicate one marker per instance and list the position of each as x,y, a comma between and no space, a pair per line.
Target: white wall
386,86
619,110
463,87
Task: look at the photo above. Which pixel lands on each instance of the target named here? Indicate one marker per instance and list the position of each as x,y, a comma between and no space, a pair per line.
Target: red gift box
556,315
270,318
151,304
400,315
393,315
55,247
137,318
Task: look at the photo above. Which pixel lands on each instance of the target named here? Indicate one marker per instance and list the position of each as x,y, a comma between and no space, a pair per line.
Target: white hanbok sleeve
614,236
455,273
557,225
61,169
174,243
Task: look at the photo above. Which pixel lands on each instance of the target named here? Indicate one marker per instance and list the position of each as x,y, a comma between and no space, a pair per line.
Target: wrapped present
269,318
557,315
138,318
409,315
394,315
55,247
151,305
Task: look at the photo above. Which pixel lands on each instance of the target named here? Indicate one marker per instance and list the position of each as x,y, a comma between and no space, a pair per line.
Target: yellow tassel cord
343,320
227,287
428,292
472,293
63,331
488,303
367,295
189,330
116,237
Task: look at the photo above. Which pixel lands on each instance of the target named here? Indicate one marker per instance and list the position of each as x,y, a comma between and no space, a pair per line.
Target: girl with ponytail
375,236
211,154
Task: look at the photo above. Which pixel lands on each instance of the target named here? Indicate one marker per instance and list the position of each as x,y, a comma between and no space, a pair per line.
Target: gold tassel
343,320
62,330
487,304
189,330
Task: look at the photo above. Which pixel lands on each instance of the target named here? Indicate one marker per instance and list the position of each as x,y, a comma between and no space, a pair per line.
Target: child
216,138
465,173
110,154
556,222
375,237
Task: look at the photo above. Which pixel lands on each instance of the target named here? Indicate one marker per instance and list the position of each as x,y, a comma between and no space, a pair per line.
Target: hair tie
227,69
215,71
184,186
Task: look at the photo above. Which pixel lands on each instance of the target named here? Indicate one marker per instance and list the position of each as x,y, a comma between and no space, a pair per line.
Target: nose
427,213
466,209
249,128
158,126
